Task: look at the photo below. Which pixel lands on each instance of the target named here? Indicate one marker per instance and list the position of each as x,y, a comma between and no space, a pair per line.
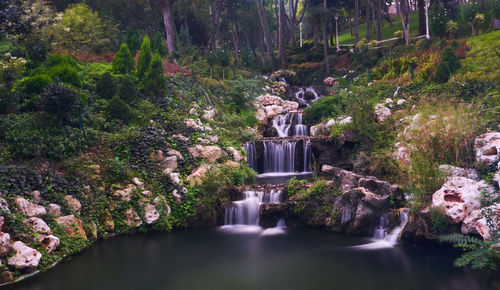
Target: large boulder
124,194
54,209
5,245
28,208
72,226
487,148
211,153
236,155
73,203
451,171
382,113
131,218
346,179
197,175
38,225
273,110
268,100
477,223
290,106
460,196
151,214
49,242
25,257
169,164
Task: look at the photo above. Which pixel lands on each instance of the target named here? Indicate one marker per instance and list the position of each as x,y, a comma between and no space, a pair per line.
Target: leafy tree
35,84
65,73
438,17
123,62
127,89
81,29
144,58
246,56
154,82
60,101
106,86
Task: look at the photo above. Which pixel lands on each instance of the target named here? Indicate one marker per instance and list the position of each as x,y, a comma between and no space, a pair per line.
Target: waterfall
307,153
251,155
246,211
300,129
282,124
302,99
279,156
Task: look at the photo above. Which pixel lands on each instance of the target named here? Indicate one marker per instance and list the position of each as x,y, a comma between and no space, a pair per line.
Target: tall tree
379,19
295,19
368,34
405,19
265,31
166,9
356,20
282,36
325,39
421,17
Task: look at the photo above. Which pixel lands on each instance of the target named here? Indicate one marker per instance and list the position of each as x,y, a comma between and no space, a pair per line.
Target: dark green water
213,259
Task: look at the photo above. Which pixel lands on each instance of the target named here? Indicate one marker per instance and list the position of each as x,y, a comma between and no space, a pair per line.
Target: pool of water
237,259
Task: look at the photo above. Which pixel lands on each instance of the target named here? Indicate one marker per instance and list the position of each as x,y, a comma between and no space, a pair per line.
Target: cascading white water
251,155
300,129
300,96
307,153
282,124
246,211
279,156
385,238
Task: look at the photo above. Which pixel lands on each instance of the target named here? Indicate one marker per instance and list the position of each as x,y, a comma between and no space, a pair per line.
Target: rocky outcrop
5,245
329,81
131,218
487,148
269,106
151,214
124,194
54,209
347,180
211,153
381,113
197,175
38,225
25,257
460,196
72,226
73,203
476,222
324,128
49,242
267,100
28,208
453,171
236,155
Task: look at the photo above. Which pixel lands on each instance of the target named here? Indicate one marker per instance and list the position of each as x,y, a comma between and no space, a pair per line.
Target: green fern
478,254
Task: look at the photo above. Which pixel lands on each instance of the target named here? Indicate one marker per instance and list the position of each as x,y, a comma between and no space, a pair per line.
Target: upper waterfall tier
289,125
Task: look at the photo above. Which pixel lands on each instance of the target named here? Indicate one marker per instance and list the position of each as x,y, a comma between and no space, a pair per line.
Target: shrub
60,101
57,59
327,107
36,84
106,86
133,41
123,62
449,64
154,82
158,46
66,74
118,109
144,58
127,90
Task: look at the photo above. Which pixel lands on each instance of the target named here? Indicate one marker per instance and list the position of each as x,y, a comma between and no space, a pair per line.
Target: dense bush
123,62
35,84
157,45
154,82
127,89
60,101
66,74
327,107
133,41
118,109
449,64
106,86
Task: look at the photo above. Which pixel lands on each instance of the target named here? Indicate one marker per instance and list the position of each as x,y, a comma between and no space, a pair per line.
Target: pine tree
154,82
144,58
123,63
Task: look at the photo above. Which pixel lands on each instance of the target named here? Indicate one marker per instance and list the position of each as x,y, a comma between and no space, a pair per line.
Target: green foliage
118,109
106,86
133,41
327,107
36,84
158,46
246,56
449,64
479,254
60,101
114,171
439,220
154,82
127,89
438,18
66,74
144,58
295,186
123,63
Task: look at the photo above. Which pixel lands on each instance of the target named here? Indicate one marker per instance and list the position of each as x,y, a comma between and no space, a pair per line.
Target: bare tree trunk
350,21
236,41
282,37
368,36
265,32
330,25
405,20
374,18
316,35
325,40
356,21
398,9
379,20
167,21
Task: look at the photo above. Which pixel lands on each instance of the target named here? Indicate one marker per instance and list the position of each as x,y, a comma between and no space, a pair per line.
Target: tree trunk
316,36
421,17
398,9
356,21
350,21
484,6
330,25
325,40
379,20
167,21
374,18
282,37
265,31
368,36
405,20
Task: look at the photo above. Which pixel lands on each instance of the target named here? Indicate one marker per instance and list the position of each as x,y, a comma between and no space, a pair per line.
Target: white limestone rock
28,208
25,257
450,170
54,209
132,219
382,113
487,148
38,225
211,153
73,203
268,100
476,222
49,242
